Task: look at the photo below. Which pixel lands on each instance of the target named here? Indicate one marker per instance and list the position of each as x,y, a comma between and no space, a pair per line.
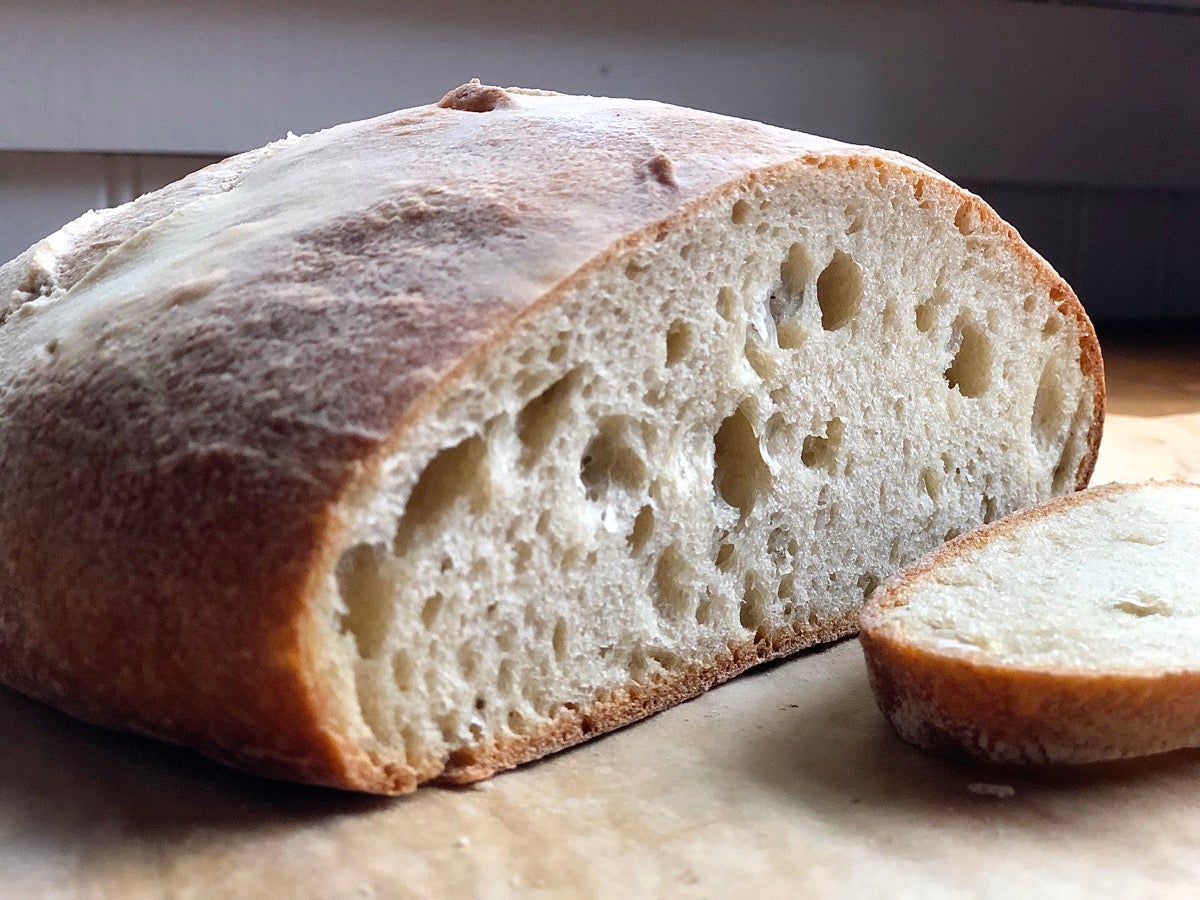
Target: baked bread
428,445
1067,633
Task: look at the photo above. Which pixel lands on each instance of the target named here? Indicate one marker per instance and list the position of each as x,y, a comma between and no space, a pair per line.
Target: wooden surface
783,782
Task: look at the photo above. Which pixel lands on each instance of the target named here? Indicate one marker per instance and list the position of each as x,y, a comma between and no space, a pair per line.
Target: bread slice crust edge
1010,715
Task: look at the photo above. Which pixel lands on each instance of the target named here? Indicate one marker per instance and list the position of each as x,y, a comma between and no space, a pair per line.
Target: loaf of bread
1067,633
428,445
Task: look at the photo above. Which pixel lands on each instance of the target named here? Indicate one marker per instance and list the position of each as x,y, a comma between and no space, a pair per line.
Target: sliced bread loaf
1067,633
430,444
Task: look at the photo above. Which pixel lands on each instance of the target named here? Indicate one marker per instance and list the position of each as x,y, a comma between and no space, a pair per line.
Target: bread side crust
1011,715
238,673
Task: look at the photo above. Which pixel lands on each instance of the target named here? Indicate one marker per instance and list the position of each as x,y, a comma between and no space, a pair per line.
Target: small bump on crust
476,97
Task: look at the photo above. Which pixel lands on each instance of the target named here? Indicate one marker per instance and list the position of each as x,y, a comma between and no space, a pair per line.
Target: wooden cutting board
781,783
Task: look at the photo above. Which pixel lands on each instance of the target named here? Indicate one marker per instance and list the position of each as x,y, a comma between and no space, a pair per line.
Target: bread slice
430,444
1067,633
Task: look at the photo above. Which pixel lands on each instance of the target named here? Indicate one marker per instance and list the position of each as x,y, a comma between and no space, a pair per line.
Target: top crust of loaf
193,382
1018,711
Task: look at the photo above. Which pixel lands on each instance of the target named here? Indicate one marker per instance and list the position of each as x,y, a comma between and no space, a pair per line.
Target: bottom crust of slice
1014,717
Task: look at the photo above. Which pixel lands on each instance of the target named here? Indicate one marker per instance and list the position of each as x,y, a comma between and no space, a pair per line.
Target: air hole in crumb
704,610
839,291
455,476
1144,603
665,658
450,725
779,546
634,270
740,475
753,610
791,335
468,660
725,558
367,595
1052,326
402,670
741,212
506,640
932,483
643,528
951,534
557,353
1030,303
966,220
671,595
679,341
891,322
431,608
559,641
540,420
505,679
971,369
522,553
926,317
856,219
610,460
820,451
787,587
762,361
795,270
785,303
726,303
990,509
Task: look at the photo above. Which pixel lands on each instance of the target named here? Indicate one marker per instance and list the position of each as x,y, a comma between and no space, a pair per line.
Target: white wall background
1084,120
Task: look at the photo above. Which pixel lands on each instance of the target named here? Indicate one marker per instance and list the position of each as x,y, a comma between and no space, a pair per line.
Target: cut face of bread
563,408
1065,633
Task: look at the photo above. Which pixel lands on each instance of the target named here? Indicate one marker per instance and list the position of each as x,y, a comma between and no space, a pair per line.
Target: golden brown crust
1013,716
1016,715
173,463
